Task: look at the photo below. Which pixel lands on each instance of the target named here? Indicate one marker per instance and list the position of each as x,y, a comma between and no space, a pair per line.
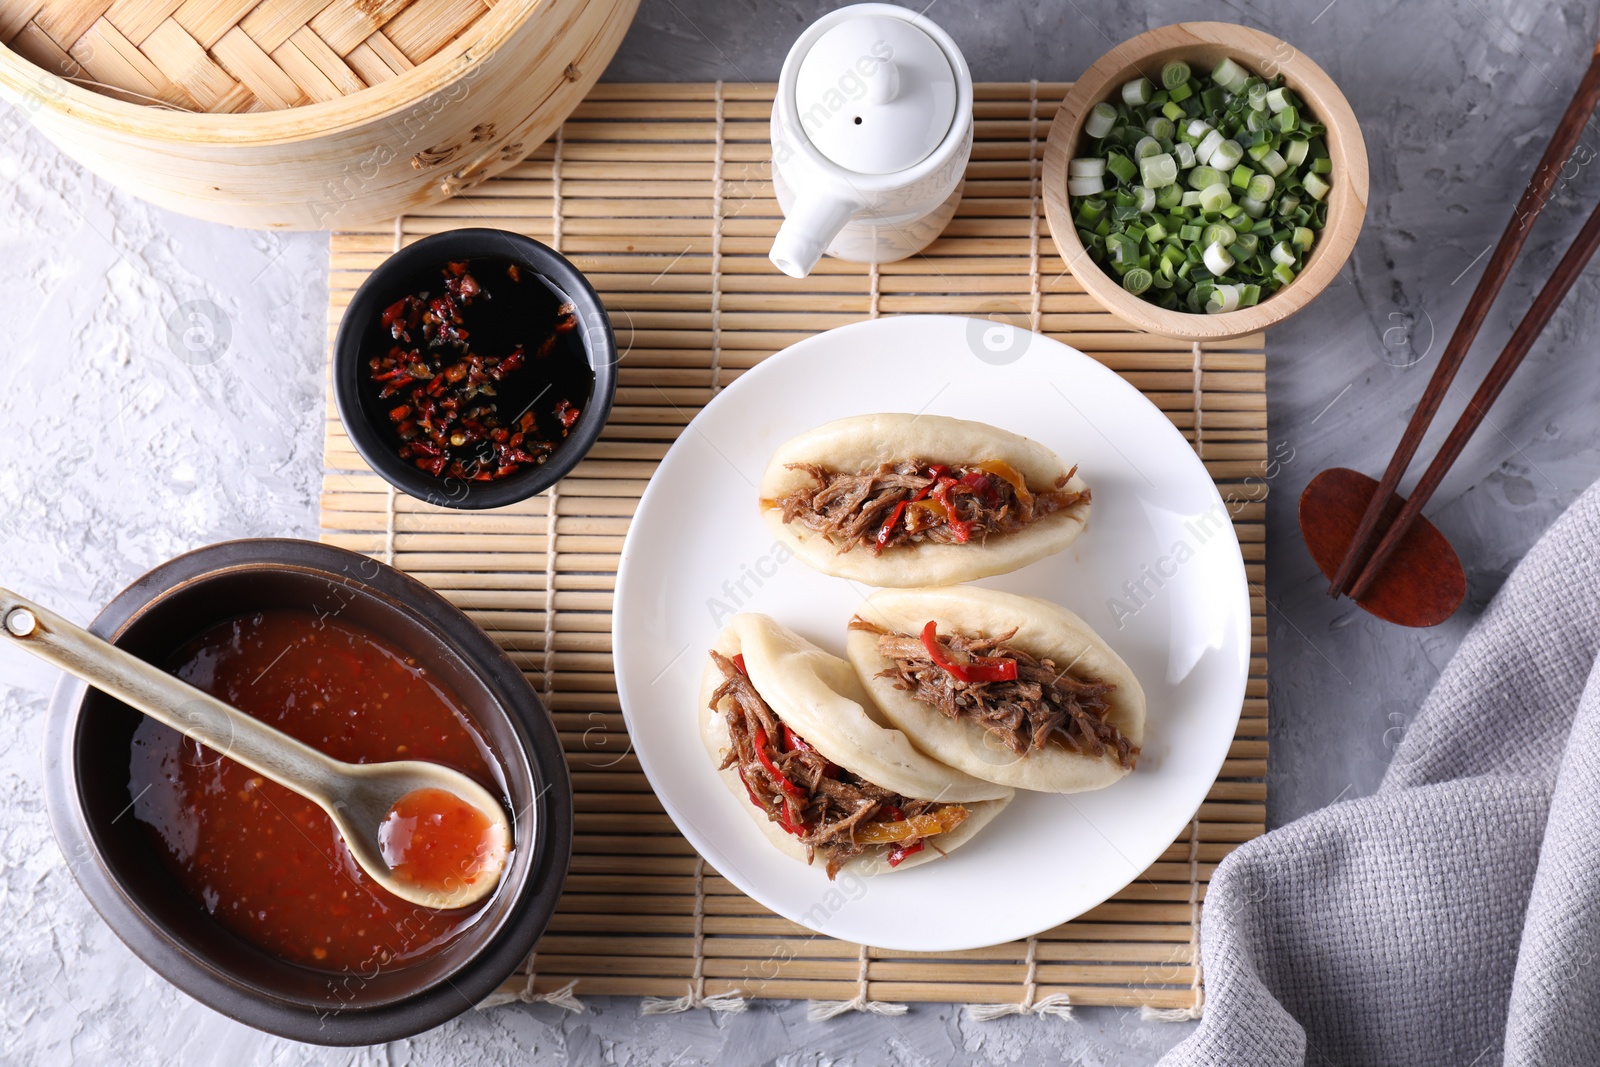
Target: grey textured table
122,455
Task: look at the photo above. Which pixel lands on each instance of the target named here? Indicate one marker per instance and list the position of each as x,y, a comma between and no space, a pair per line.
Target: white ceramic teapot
871,130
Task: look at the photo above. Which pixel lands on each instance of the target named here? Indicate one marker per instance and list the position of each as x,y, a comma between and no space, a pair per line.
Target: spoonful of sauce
426,833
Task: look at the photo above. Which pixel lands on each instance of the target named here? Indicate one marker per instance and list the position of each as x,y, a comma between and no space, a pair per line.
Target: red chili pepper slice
899,853
787,820
793,742
979,670
567,413
886,531
772,768
958,526
738,661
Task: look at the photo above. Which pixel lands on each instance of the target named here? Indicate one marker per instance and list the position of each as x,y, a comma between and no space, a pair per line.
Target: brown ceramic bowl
1201,45
87,769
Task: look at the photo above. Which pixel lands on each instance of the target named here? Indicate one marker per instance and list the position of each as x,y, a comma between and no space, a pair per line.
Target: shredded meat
823,804
1044,703
913,501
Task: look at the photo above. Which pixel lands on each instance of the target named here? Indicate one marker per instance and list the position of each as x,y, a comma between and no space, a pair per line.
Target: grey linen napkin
1453,917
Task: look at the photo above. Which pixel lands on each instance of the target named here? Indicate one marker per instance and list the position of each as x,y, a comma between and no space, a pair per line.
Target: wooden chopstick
1528,331
1533,200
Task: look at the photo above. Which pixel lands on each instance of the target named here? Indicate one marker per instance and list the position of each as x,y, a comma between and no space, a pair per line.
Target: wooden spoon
358,797
1421,583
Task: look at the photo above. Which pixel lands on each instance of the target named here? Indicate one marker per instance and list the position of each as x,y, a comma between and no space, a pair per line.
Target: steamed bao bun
820,699
862,442
1045,631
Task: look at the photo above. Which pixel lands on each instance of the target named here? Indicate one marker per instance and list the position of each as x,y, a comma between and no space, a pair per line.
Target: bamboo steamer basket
302,114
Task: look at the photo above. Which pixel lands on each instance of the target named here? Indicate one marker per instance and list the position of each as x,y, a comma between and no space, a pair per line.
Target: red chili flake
446,415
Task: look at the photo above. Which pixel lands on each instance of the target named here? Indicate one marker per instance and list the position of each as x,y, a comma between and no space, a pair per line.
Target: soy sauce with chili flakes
480,370
263,861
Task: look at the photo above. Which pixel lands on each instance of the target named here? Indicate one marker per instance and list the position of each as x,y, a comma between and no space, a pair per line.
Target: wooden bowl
1201,45
328,115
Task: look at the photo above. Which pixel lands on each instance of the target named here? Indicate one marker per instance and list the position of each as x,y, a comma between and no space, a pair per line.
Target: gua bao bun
986,725
824,719
913,500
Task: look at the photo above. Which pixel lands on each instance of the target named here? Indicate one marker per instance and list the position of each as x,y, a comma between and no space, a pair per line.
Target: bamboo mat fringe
696,996
821,1010
1057,1005
662,196
564,997
1196,1009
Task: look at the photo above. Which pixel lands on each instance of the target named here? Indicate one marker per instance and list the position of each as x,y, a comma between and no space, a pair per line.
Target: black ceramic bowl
365,414
87,747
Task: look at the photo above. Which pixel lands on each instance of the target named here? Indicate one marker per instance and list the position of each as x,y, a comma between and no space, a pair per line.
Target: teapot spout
811,224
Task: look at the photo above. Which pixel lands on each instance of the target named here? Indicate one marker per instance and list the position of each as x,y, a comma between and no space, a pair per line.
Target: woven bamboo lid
232,56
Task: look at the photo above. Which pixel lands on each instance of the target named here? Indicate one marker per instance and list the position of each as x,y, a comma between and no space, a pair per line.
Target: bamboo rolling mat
661,194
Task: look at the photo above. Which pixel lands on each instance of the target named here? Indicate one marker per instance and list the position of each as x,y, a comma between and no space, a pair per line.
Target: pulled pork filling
831,811
912,501
1025,702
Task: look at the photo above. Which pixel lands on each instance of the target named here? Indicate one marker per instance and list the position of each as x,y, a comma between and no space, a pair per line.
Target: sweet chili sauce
433,838
263,861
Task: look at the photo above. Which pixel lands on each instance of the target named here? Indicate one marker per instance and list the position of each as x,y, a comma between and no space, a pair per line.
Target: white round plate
1157,572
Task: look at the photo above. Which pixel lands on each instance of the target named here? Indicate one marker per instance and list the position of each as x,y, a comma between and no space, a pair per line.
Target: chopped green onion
1217,259
1158,171
1215,197
1101,118
1230,75
1123,167
1223,298
1201,193
1227,155
1261,187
